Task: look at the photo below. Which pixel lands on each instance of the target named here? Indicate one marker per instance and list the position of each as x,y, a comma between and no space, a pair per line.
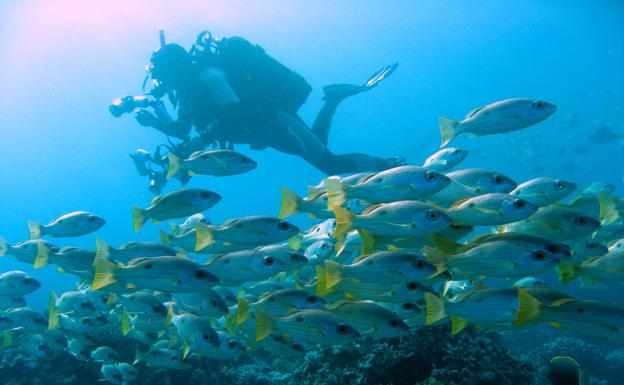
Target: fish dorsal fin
473,112
371,208
460,202
155,199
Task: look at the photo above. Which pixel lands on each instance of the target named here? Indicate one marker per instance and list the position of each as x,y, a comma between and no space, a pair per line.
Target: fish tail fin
204,236
336,193
447,246
608,208
35,230
435,308
265,325
333,274
7,339
125,324
138,218
290,203
53,315
369,243
529,308
449,129
321,281
42,258
165,238
296,242
104,273
458,324
244,307
344,222
567,272
102,249
175,228
230,322
174,165
170,314
4,247
438,258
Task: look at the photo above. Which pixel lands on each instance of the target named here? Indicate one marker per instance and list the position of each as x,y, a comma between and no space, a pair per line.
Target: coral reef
428,356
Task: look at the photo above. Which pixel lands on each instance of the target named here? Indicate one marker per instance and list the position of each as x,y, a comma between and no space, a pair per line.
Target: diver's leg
292,136
336,93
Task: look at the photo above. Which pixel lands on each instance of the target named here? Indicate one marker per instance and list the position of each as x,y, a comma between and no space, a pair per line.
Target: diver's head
171,64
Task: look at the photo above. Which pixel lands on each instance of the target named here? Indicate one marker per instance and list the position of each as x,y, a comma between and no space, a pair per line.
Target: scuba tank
257,78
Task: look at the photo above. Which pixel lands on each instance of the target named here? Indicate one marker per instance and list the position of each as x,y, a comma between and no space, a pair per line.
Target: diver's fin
138,218
35,230
380,75
290,202
449,129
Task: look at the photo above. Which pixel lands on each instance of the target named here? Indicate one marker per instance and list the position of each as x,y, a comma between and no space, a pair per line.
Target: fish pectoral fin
485,210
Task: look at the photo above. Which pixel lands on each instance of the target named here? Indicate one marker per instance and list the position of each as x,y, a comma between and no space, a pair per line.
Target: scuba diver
231,92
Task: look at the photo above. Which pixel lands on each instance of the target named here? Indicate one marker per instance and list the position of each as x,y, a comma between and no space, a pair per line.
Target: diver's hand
147,119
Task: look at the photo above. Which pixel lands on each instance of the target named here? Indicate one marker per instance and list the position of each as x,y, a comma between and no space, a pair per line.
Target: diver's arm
161,121
220,91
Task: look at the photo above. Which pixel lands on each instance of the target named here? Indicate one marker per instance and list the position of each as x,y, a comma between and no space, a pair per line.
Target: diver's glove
147,118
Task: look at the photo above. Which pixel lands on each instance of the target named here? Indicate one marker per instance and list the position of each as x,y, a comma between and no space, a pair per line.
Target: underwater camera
128,103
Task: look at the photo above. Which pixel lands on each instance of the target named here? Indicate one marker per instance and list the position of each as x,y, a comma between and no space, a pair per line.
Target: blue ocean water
62,62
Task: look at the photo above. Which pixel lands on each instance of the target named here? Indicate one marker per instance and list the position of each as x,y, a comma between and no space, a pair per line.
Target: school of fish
391,252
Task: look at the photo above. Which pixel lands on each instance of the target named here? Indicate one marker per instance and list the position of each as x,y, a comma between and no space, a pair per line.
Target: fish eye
581,221
231,344
156,309
268,260
499,179
323,245
431,176
201,274
174,358
432,215
148,266
91,218
408,306
83,305
455,151
519,204
413,285
552,248
244,160
213,303
342,329
299,319
559,185
283,225
419,264
539,255
592,245
395,323
205,194
311,299
539,105
207,337
580,310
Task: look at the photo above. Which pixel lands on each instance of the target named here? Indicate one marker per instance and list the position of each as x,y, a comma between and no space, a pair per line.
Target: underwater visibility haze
400,192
